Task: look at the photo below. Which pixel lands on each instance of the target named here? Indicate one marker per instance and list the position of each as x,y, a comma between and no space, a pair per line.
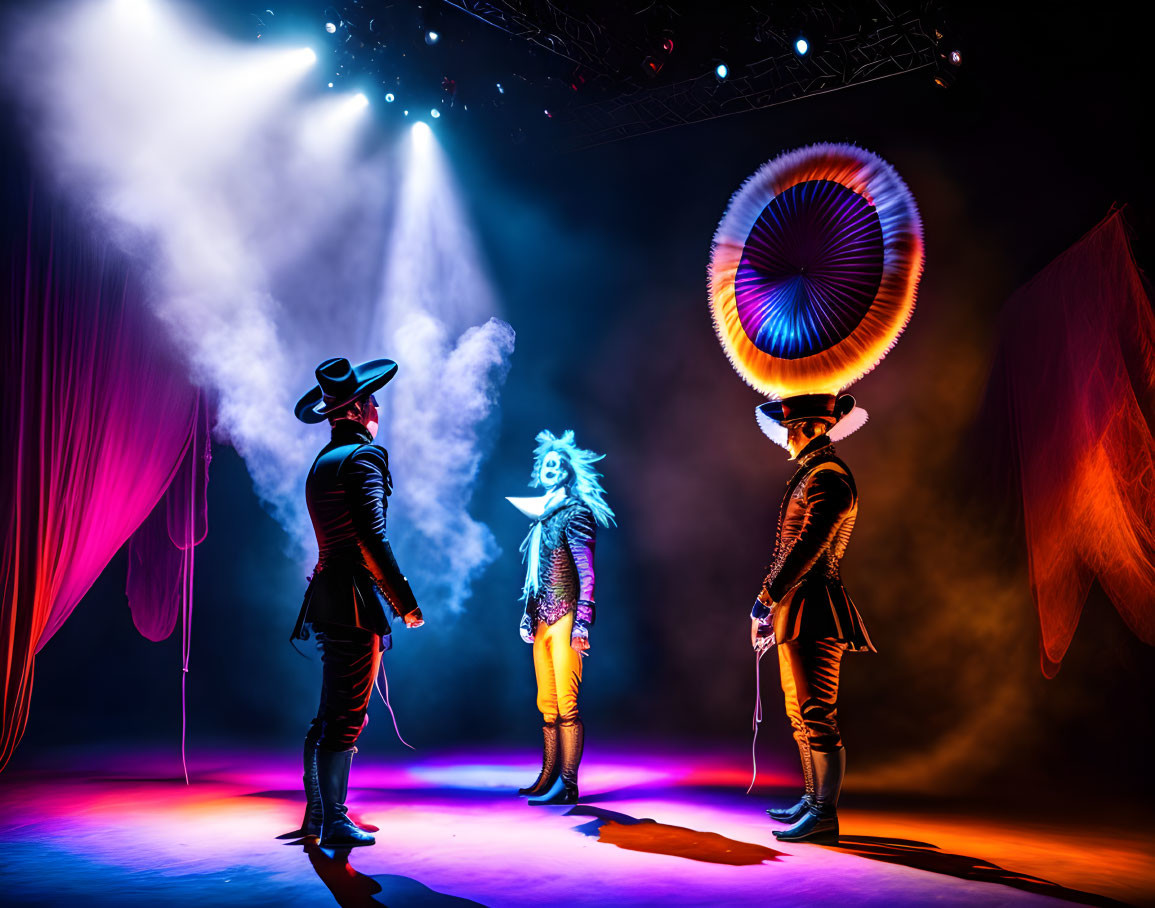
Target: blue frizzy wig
584,481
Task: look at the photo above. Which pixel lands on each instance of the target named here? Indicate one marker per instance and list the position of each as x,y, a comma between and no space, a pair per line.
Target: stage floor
674,829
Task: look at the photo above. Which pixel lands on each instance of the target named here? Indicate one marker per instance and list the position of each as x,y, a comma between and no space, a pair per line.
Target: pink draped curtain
1071,398
160,552
97,420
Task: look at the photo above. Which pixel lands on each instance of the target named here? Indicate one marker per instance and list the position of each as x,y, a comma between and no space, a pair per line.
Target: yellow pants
558,668
809,671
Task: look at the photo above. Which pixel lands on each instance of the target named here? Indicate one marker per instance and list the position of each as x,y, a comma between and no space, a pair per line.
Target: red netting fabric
1071,401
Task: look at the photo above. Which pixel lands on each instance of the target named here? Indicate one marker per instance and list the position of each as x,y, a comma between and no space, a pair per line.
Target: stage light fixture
307,55
946,69
721,71
331,28
801,46
390,97
330,84
360,101
422,134
435,113
432,37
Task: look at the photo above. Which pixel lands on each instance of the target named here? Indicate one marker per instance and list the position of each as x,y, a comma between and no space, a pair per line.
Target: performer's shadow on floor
924,856
356,890
677,841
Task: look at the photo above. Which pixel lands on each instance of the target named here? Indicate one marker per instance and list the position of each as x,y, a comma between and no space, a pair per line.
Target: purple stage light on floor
663,827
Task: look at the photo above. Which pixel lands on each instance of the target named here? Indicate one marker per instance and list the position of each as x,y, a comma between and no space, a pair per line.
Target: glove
762,622
413,619
763,606
526,628
584,613
579,637
761,635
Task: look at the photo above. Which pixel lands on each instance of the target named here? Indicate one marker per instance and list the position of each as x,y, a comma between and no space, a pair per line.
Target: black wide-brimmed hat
808,406
339,384
837,409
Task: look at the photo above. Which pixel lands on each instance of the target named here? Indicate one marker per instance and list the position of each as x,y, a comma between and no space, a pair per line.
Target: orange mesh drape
1072,393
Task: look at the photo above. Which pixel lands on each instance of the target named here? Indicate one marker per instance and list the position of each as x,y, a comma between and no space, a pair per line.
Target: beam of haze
435,291
260,229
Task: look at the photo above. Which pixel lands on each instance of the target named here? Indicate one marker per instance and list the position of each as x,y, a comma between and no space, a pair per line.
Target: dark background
599,258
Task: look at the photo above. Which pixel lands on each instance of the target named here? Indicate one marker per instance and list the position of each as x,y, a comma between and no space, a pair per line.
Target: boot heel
311,822
337,830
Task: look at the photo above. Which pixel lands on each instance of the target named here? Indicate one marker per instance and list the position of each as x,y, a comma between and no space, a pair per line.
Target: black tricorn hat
808,406
339,384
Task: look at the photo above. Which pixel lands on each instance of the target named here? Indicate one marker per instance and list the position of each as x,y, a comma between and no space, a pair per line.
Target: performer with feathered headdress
812,280
559,600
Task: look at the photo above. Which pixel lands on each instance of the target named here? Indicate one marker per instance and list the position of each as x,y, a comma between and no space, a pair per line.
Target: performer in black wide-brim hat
355,588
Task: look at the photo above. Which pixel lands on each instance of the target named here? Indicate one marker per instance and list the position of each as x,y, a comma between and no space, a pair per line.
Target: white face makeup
552,472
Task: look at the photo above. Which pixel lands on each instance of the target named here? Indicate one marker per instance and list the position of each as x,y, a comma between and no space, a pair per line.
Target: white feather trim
776,432
772,429
851,422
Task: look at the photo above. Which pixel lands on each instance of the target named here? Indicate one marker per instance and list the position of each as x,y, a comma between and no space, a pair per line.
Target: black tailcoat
357,582
814,527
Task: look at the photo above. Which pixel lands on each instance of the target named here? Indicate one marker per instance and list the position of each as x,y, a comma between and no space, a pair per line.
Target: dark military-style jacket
814,526
357,582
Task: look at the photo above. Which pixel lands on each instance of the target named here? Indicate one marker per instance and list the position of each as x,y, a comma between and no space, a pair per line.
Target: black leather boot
311,823
794,813
565,789
337,830
548,773
820,823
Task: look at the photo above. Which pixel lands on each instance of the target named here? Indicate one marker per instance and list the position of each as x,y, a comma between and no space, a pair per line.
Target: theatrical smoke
268,243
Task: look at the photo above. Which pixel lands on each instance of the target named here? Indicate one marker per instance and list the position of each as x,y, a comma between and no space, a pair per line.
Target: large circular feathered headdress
814,270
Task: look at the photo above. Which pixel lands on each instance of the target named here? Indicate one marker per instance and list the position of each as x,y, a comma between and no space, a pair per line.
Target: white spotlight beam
436,319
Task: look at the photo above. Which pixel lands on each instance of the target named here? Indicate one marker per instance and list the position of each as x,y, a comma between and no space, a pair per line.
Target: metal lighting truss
857,47
578,38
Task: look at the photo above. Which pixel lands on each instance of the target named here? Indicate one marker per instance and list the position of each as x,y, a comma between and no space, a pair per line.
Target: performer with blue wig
559,601
813,277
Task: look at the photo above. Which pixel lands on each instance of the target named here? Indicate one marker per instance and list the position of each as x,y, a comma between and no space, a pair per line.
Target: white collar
538,507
